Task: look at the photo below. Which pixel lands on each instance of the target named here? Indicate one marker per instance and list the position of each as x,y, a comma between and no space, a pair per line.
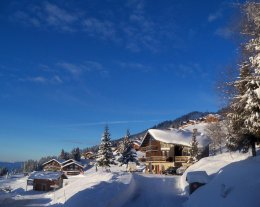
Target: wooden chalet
53,165
89,155
46,181
166,148
69,167
72,168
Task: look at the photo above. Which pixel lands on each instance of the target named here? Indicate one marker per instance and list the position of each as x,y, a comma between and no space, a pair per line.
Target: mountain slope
163,125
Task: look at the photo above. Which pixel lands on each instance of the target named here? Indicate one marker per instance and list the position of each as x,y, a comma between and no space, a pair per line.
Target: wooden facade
89,155
47,185
161,155
72,168
52,165
46,181
69,167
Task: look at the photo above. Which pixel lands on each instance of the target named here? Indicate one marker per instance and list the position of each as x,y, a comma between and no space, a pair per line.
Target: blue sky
69,67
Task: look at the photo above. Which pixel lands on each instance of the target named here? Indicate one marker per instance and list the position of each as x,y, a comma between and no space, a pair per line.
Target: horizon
69,68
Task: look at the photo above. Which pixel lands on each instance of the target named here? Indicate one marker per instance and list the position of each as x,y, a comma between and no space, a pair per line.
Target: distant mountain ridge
174,123
12,165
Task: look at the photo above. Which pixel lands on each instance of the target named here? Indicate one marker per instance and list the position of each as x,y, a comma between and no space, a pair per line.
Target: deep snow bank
212,165
235,185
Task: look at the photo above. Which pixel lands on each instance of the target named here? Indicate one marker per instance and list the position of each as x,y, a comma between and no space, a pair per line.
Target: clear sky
69,67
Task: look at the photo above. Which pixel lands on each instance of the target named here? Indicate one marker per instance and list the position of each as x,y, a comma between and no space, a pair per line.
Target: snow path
101,189
153,190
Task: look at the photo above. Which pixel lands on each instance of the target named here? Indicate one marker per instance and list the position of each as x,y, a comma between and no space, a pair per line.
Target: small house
72,168
46,181
52,165
69,167
89,155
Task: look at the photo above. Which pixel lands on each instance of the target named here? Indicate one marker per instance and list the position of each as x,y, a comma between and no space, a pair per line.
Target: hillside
163,125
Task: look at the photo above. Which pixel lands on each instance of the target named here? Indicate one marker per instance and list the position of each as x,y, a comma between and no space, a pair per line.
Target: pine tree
123,143
194,151
62,155
128,153
75,154
105,155
244,122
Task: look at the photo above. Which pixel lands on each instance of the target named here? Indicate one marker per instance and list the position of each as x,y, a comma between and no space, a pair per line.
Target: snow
60,161
197,176
233,181
140,154
115,188
236,184
74,162
212,165
45,175
182,136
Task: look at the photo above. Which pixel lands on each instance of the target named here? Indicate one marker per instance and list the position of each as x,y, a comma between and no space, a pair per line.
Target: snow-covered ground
116,188
212,165
234,181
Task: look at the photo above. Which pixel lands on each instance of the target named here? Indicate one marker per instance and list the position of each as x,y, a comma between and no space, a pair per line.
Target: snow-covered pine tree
217,133
122,144
244,115
105,155
194,151
128,153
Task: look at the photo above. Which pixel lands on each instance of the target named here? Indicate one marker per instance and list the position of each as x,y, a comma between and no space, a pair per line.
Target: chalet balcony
182,159
150,148
156,158
179,159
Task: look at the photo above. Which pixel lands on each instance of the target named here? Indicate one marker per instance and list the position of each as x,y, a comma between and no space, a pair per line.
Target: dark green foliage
3,171
75,154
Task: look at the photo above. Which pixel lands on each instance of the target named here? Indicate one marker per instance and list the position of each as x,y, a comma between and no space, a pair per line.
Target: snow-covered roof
68,161
46,175
181,136
74,162
197,176
60,161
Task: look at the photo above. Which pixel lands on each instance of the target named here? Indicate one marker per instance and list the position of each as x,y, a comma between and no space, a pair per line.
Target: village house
171,147
52,165
46,181
89,155
72,168
69,167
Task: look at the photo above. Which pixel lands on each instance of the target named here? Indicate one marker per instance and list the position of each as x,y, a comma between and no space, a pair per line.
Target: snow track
151,190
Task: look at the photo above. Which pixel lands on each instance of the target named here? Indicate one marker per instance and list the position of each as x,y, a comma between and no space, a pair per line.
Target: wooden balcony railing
150,148
182,158
156,158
